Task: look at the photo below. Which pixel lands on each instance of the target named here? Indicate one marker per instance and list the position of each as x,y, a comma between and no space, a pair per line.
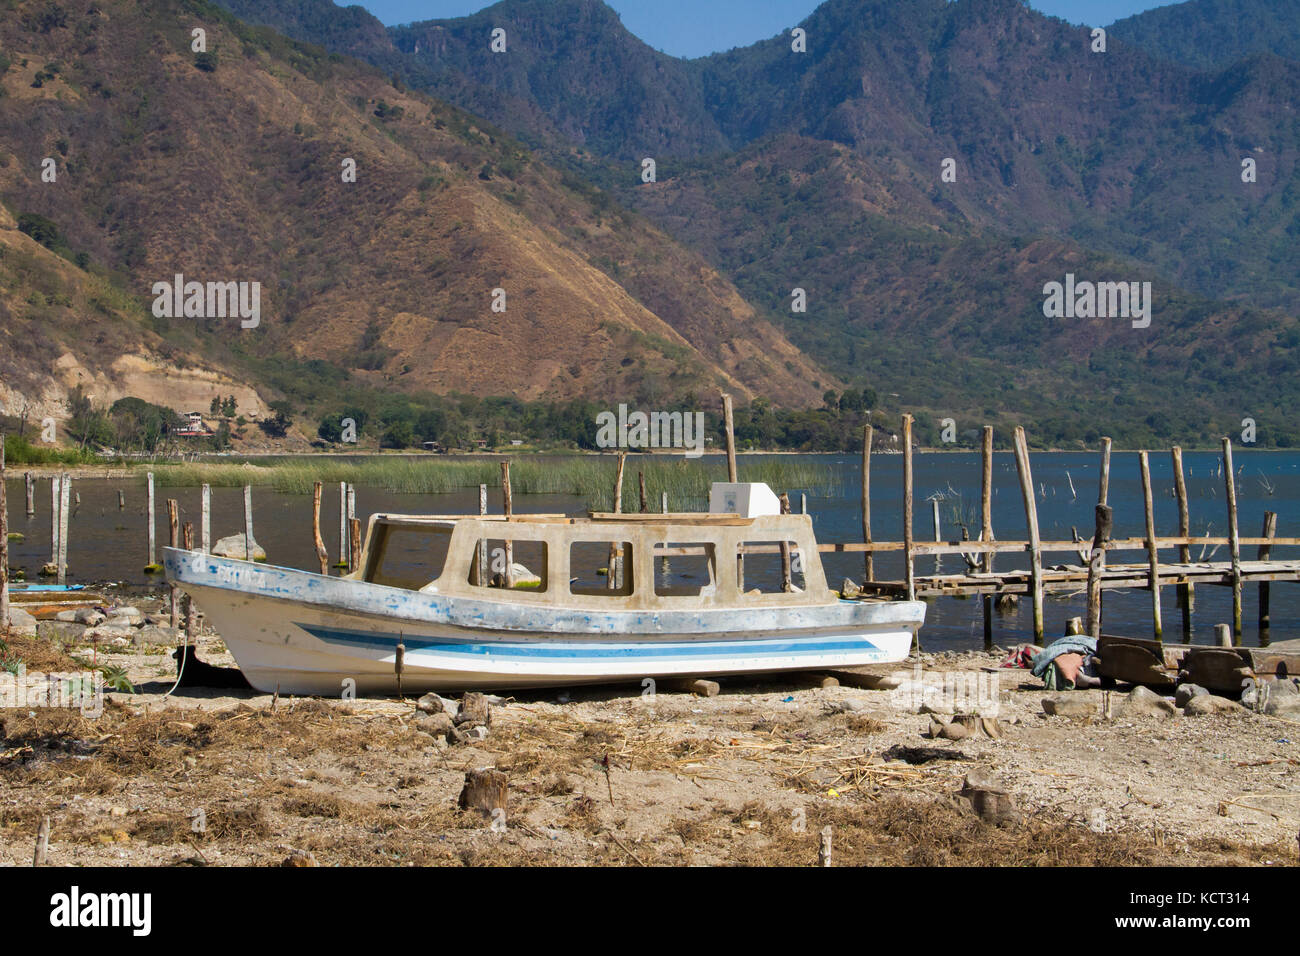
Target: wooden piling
1153,554
663,502
909,570
986,525
1103,492
343,525
1186,597
731,437
640,479
354,545
173,539
30,481
189,611
868,569
248,522
4,543
121,500
1035,542
480,569
205,519
1096,564
1234,539
65,490
613,573
322,555
1265,552
151,566
508,503
787,580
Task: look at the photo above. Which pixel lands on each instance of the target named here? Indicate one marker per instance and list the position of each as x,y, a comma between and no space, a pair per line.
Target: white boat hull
300,633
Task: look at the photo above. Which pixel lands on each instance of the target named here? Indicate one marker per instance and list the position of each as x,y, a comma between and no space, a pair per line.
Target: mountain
1212,34
229,165
821,170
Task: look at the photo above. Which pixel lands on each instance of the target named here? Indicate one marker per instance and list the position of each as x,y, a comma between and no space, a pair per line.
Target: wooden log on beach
322,556
485,791
1031,517
868,565
1096,564
986,524
1186,597
1266,552
1153,554
909,570
1234,539
731,437
173,539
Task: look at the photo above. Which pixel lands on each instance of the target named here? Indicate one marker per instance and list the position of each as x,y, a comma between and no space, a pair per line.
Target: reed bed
590,478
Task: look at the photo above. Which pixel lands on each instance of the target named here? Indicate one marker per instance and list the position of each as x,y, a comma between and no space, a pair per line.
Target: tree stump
484,791
474,710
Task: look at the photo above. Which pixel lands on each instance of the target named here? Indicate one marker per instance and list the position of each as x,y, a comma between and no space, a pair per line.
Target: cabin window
758,565
684,569
600,568
408,558
525,559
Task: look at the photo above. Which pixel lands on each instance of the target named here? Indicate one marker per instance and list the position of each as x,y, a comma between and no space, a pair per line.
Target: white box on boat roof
752,499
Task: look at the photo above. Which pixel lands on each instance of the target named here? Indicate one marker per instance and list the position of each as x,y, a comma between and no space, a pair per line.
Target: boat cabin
637,561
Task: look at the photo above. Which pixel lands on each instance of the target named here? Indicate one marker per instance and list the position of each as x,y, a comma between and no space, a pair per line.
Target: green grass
686,482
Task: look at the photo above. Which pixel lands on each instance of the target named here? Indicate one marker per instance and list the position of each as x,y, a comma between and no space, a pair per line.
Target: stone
126,616
455,736
66,632
955,731
830,682
300,858
155,635
69,615
109,632
1204,705
474,710
1146,703
233,547
1071,705
432,704
435,725
477,733
89,616
1283,705
992,727
1186,692
21,621
849,590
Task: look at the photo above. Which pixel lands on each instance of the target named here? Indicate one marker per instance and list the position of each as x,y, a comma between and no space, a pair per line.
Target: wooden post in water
30,480
731,437
205,519
1103,498
343,525
1035,542
4,542
787,580
1265,552
1186,597
508,502
121,500
53,567
909,570
354,545
190,612
150,504
1153,554
614,572
1234,539
322,555
65,491
248,522
173,539
1097,564
640,478
868,557
986,525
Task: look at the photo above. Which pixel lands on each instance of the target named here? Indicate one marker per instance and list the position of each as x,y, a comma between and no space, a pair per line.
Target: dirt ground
608,776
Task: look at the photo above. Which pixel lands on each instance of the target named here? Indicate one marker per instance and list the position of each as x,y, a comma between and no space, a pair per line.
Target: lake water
108,545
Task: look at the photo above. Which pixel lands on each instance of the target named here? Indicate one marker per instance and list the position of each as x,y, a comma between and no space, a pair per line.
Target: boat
479,602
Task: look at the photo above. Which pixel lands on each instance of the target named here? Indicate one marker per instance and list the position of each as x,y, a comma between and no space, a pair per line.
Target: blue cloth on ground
1075,644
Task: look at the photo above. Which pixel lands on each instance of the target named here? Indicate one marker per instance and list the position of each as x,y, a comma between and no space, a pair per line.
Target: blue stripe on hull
555,650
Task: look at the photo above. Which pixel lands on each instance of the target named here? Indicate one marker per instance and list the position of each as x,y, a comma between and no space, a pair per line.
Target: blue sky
699,27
